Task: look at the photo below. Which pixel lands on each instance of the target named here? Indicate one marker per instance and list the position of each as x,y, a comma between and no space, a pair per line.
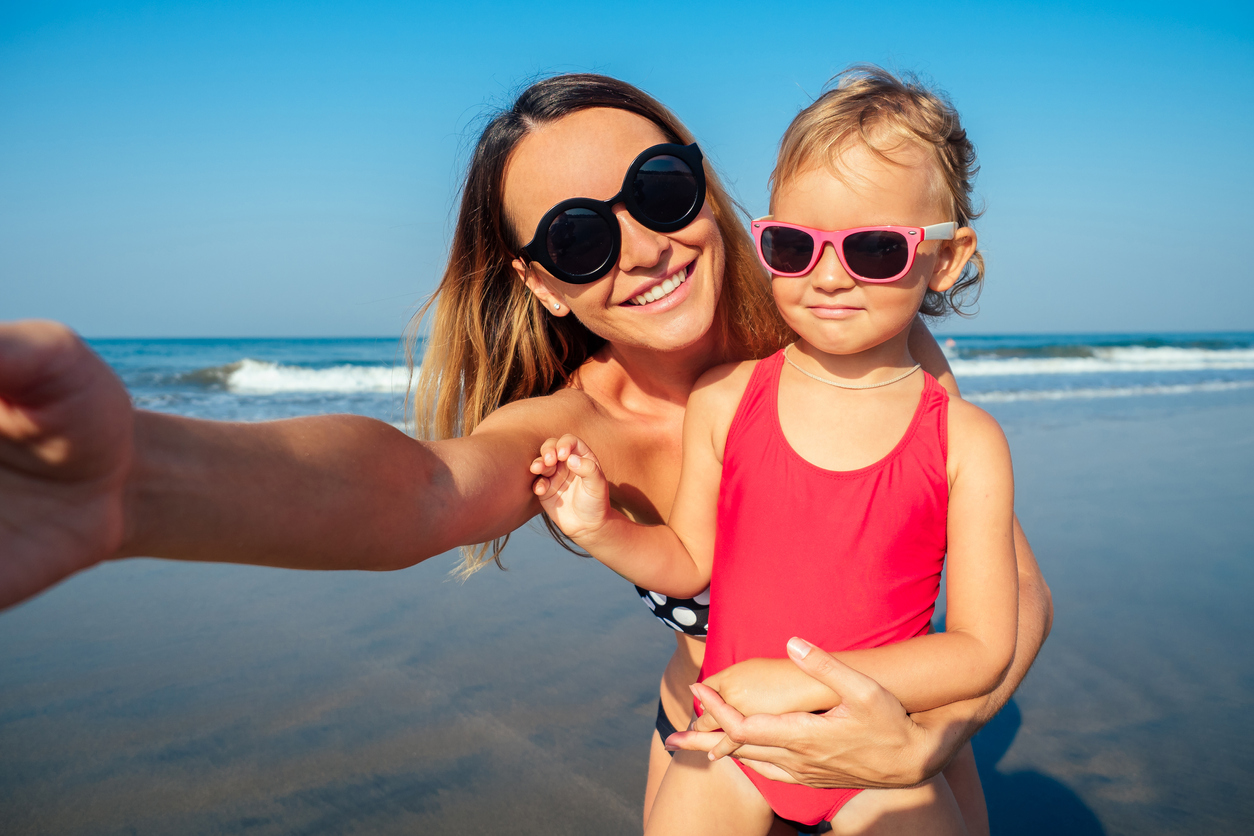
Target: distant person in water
575,299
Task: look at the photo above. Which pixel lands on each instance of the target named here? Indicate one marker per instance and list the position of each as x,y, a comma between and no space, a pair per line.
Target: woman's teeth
666,288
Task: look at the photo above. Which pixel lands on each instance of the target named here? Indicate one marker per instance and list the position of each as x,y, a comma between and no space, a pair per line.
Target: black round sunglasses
578,240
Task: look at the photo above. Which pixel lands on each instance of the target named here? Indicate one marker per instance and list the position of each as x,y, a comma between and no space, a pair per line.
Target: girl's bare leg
929,809
659,760
699,797
964,782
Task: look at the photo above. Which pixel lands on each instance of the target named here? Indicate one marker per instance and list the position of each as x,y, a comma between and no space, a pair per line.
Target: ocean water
262,379
259,379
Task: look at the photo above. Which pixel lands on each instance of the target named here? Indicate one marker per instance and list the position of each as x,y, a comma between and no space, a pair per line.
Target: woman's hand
571,486
65,449
866,741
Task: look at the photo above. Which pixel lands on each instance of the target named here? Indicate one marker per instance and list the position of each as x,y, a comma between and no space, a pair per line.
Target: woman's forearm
927,352
947,728
326,492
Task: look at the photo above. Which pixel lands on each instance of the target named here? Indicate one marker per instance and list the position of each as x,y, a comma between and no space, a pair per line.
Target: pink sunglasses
868,253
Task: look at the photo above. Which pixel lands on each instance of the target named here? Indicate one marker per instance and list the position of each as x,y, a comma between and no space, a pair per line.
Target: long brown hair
491,341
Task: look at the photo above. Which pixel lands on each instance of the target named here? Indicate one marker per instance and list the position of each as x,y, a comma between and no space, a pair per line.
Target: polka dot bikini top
685,615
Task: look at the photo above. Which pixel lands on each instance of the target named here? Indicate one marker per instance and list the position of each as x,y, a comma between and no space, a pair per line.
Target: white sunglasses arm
940,232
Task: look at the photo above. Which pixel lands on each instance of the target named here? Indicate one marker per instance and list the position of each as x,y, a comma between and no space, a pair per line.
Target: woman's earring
557,306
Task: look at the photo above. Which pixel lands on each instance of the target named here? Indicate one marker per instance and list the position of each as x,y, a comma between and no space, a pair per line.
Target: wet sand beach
148,697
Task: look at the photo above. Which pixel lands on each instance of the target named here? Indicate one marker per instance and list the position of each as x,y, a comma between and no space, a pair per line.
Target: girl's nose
829,274
641,247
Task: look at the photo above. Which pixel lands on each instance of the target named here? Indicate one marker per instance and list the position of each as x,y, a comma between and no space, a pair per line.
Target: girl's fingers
570,443
539,468
548,452
587,468
540,486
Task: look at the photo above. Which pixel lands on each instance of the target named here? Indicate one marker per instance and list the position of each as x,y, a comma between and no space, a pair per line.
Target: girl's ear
952,259
538,288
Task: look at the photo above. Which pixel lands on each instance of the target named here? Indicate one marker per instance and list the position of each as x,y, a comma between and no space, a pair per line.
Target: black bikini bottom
666,728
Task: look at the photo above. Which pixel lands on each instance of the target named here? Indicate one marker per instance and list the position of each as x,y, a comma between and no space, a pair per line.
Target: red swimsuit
845,559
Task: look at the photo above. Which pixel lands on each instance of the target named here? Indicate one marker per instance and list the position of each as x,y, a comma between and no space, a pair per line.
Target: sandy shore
148,697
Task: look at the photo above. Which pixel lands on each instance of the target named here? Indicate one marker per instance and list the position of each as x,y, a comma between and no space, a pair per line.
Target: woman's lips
662,289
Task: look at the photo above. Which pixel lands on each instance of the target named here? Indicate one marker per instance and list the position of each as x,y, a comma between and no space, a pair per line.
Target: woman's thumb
827,669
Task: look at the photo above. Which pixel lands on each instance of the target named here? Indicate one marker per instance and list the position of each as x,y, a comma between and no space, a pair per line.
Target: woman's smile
655,291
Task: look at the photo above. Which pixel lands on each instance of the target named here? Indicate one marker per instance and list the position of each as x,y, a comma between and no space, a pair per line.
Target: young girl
822,487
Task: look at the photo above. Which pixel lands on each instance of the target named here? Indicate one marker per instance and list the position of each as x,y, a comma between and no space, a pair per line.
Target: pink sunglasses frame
836,237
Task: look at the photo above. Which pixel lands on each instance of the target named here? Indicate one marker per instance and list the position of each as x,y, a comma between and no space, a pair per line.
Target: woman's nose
641,246
829,274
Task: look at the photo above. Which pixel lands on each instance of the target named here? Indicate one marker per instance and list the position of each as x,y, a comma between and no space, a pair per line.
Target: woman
586,316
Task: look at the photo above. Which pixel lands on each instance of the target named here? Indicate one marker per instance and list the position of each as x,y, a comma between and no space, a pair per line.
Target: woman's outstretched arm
84,477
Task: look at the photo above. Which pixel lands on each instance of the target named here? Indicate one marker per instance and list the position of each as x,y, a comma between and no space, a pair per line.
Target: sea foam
259,377
1106,392
1120,359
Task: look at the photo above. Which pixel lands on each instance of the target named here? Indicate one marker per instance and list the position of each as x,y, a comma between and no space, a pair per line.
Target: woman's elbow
996,659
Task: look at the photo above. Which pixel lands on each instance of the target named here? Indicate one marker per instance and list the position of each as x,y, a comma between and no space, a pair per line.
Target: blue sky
257,168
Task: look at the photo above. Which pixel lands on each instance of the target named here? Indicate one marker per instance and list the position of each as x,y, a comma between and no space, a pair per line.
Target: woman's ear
952,259
538,288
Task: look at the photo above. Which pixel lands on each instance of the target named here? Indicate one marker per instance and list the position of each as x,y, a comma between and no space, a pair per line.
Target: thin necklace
901,376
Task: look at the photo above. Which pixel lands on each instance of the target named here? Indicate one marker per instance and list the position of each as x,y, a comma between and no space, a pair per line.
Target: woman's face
587,154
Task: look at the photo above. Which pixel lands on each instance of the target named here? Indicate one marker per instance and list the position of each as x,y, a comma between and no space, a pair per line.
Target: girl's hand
65,450
766,686
754,686
572,489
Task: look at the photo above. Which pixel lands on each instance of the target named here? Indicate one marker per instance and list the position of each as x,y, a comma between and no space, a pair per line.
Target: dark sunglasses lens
786,250
876,254
665,189
579,241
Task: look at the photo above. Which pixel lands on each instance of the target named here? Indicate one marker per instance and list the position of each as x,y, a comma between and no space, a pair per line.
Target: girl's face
586,154
828,308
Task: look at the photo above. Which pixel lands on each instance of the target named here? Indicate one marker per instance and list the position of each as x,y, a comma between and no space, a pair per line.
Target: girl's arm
971,657
84,477
674,559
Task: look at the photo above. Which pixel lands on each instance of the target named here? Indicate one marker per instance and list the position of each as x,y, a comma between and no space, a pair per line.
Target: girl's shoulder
974,435
722,387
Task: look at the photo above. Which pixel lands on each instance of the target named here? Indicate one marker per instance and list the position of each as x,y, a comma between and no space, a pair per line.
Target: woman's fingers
866,741
706,723
723,748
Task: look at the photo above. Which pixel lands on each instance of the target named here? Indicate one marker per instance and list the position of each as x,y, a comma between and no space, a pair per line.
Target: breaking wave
1106,392
1090,359
259,377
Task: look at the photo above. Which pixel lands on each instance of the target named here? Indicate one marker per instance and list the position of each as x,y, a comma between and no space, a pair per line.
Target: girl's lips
841,312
